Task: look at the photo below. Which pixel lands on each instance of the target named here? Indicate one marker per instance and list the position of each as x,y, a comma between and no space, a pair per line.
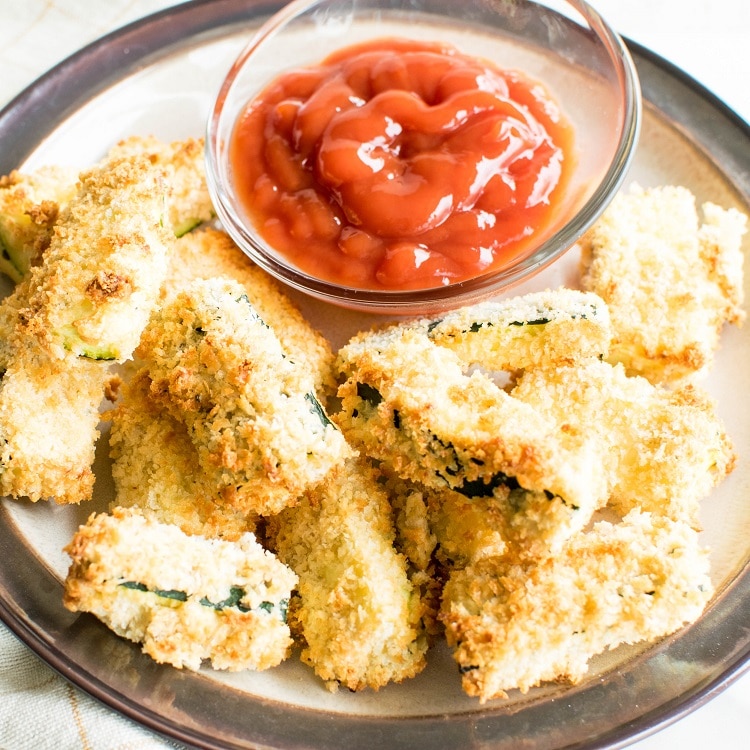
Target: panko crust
206,253
670,281
407,403
662,450
359,614
471,513
10,309
82,307
155,468
188,200
215,365
101,274
49,416
526,331
186,599
29,205
516,625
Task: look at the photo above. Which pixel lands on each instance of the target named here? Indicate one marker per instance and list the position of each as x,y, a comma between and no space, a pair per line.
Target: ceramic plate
159,76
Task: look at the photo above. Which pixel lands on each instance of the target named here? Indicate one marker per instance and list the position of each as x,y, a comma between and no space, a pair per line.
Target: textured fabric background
41,711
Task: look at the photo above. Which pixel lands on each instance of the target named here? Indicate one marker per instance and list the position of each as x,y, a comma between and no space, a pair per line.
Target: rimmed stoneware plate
159,76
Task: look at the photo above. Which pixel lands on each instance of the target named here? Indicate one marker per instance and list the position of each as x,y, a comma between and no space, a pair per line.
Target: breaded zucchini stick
407,403
105,264
29,205
515,626
188,201
184,598
526,331
48,425
155,468
416,541
467,528
358,612
31,202
670,282
662,451
207,253
409,501
49,416
91,295
462,530
445,526
261,433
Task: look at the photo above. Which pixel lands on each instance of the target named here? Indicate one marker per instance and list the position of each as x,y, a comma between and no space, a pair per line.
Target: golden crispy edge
359,613
180,630
516,626
208,252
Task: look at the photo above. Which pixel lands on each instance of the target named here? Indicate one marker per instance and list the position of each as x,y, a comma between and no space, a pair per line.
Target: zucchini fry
467,528
670,282
662,450
461,530
207,253
188,200
261,433
29,205
516,625
155,468
445,526
48,425
358,612
31,202
526,331
407,403
107,259
184,598
90,296
416,541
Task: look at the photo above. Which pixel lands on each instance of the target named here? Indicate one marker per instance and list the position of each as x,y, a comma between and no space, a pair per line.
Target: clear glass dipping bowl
566,46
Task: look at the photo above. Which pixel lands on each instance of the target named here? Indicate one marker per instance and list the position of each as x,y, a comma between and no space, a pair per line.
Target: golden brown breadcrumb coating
260,431
10,307
516,625
359,613
155,468
464,528
417,541
526,331
87,300
407,403
188,201
206,253
48,425
522,490
29,205
670,281
184,598
107,259
661,450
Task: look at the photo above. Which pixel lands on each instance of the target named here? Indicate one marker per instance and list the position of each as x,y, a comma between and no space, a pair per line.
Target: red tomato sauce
398,164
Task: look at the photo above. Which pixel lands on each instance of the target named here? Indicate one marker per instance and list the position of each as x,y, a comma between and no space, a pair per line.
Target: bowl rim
482,286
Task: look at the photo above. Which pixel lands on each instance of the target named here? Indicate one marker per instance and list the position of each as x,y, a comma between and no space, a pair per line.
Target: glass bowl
566,46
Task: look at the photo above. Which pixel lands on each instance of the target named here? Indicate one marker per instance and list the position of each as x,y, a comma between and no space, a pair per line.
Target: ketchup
398,164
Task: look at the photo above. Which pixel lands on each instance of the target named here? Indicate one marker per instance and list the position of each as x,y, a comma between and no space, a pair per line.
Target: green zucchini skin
233,600
526,331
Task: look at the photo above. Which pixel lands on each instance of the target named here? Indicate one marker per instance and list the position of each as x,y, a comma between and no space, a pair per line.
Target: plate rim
36,111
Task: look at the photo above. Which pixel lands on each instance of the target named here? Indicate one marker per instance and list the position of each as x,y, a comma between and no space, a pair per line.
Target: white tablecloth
709,39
